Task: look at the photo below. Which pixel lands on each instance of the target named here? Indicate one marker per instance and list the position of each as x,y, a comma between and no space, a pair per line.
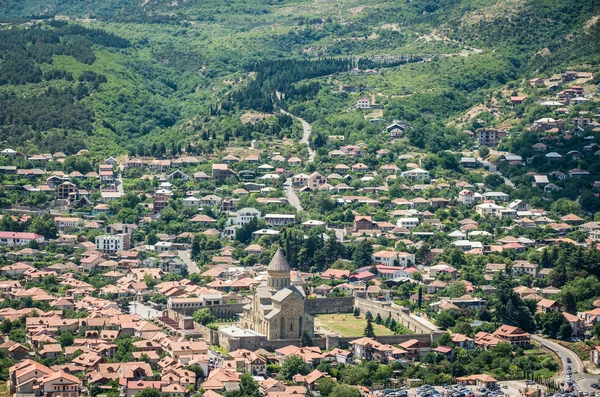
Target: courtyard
346,325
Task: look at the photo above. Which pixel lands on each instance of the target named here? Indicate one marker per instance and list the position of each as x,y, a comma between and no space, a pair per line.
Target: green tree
569,302
341,390
204,316
44,226
363,254
149,392
484,151
493,181
66,339
445,320
325,386
378,319
306,339
293,365
369,331
248,388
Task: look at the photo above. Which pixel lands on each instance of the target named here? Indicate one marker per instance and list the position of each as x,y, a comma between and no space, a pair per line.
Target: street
184,255
583,379
291,195
306,130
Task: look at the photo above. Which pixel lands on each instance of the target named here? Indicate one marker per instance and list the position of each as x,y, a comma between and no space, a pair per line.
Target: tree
66,339
363,254
203,316
596,330
306,339
341,390
369,331
565,331
445,320
420,297
369,316
293,365
44,226
248,388
570,302
550,323
445,339
196,369
484,151
493,180
378,319
149,392
356,312
325,386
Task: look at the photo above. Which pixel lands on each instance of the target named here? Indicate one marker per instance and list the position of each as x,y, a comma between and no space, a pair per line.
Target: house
416,175
363,223
387,258
245,215
487,209
14,239
466,197
221,172
363,103
279,219
408,223
577,324
110,244
548,306
415,348
524,267
513,335
489,137
315,181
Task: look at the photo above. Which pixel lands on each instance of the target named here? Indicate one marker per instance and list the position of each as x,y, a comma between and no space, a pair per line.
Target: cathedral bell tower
279,271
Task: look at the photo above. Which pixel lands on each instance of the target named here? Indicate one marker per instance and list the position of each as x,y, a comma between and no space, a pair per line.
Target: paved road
494,170
119,179
581,378
307,128
191,265
291,195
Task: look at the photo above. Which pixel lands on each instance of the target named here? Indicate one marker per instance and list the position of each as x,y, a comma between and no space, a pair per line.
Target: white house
109,244
279,219
363,103
245,215
416,174
13,239
408,223
487,209
385,257
191,202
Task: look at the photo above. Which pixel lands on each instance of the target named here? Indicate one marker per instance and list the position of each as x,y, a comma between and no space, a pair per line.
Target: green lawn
347,325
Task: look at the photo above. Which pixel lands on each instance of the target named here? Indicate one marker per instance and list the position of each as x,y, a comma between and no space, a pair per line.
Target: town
347,268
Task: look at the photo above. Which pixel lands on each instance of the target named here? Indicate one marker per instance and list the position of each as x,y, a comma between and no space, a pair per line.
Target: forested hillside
121,75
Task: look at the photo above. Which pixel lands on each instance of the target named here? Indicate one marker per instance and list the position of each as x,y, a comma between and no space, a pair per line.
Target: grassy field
347,325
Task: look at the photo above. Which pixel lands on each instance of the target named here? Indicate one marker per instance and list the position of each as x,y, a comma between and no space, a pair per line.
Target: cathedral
277,309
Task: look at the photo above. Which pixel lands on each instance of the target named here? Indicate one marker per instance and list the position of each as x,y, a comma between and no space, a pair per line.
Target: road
581,378
494,170
291,195
191,265
119,180
306,128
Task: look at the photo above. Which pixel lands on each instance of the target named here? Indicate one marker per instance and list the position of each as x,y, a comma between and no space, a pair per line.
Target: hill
122,75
